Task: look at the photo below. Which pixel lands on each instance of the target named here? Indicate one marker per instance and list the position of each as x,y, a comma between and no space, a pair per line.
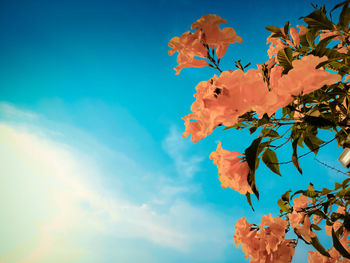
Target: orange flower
305,230
276,45
266,243
213,36
296,81
191,46
188,45
233,172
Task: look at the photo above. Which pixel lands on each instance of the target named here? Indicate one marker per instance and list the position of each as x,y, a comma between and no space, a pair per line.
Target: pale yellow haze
39,208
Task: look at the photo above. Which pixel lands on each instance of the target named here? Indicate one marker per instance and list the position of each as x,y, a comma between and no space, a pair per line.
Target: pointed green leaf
249,200
283,205
251,154
340,4
269,158
295,155
285,58
266,132
338,246
286,28
315,227
318,20
325,191
273,29
344,17
313,143
316,244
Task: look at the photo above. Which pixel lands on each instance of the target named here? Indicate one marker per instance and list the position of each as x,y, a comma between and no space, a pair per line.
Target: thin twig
330,167
303,155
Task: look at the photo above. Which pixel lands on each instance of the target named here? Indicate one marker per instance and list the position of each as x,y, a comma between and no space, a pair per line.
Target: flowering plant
306,77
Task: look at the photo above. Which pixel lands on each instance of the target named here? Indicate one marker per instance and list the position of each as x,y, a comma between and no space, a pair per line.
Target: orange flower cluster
267,243
233,172
191,45
221,100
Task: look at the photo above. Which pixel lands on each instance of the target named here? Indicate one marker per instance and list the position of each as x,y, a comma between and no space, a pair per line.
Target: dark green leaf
325,191
286,28
283,205
338,246
316,244
252,129
319,122
285,58
310,37
318,20
273,29
285,196
316,227
344,17
251,182
313,143
266,132
295,155
249,200
341,4
269,158
347,221
321,49
251,154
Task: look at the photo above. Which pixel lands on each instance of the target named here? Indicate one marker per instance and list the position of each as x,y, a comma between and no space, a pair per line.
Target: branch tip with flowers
302,88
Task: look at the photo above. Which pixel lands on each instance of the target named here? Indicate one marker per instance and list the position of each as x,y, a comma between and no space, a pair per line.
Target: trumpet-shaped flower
233,171
213,36
189,46
266,243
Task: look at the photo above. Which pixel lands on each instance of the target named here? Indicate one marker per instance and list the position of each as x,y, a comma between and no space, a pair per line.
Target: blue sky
93,165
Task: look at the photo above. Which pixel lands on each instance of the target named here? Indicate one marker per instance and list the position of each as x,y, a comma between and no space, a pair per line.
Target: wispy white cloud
176,147
55,197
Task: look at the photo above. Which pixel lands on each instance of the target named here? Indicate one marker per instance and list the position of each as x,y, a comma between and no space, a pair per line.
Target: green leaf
337,186
251,155
315,227
266,132
251,182
269,158
318,20
311,191
273,29
313,143
285,58
285,196
316,244
295,155
347,221
283,205
249,200
321,48
286,28
319,122
338,246
264,120
341,4
344,17
252,130
310,37
325,191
